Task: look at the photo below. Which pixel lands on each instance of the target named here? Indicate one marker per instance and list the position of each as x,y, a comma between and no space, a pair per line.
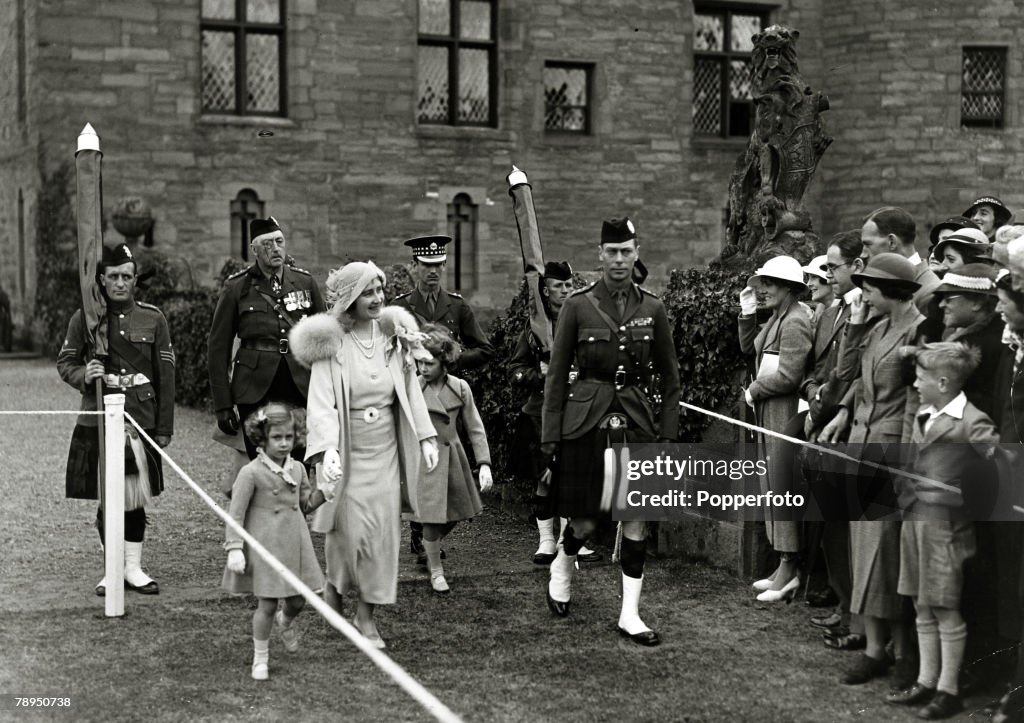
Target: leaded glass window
243,56
722,102
983,87
457,50
567,97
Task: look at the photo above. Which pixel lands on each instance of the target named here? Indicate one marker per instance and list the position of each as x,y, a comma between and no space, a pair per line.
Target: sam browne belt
278,345
125,381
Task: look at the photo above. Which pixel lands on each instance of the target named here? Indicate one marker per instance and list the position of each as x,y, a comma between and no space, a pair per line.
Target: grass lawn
491,650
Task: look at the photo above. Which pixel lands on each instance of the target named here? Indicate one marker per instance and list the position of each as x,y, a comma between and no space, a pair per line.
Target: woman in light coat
782,348
368,429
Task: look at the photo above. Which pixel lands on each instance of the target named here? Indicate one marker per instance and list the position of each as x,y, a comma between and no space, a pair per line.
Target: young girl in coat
448,493
270,499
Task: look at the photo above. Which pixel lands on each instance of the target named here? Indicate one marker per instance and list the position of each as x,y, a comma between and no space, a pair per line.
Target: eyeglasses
831,268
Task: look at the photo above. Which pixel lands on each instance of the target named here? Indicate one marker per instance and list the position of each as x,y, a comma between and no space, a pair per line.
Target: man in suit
619,336
893,230
259,305
430,302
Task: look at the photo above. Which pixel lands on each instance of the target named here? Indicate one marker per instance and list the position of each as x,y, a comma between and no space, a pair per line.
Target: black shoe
866,668
416,546
647,638
544,558
561,609
913,695
150,588
101,590
943,705
822,598
592,557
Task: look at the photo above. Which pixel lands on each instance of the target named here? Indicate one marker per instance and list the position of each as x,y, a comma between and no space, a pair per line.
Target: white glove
748,399
429,449
859,310
486,481
236,561
748,301
332,465
326,486
543,369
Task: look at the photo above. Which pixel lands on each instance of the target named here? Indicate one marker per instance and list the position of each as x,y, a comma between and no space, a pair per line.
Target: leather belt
278,345
125,381
619,378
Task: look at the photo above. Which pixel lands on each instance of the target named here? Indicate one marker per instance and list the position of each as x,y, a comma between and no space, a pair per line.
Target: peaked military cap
429,249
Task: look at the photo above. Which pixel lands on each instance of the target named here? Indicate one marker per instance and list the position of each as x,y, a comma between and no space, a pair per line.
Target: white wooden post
113,508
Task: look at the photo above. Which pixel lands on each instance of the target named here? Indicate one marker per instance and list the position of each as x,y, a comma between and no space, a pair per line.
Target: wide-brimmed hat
1002,213
816,267
969,279
953,223
782,268
971,241
893,269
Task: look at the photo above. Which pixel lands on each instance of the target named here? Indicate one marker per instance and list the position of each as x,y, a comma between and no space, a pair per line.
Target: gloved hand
859,310
227,420
486,481
236,561
747,398
429,449
748,301
332,465
326,486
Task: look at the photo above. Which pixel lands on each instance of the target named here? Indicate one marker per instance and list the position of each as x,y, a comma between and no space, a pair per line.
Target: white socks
629,618
133,565
560,582
546,530
260,659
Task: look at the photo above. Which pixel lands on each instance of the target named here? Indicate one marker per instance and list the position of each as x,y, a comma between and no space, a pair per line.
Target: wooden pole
113,512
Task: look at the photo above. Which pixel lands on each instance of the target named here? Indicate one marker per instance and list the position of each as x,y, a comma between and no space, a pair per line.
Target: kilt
932,557
578,484
81,481
526,460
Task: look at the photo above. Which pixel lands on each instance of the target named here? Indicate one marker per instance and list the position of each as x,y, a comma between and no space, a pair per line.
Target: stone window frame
242,29
453,42
991,122
723,58
588,109
463,254
246,206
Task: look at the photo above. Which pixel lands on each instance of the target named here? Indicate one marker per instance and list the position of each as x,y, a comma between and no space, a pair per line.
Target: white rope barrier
819,448
405,681
37,412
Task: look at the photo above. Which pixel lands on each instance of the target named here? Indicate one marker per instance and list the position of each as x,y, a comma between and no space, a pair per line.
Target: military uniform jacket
261,318
582,335
453,313
138,343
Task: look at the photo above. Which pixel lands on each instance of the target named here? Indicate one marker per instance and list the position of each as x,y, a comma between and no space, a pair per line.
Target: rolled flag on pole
88,160
533,254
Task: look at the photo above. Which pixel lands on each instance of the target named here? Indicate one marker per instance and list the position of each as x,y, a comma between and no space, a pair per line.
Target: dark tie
842,308
922,419
431,305
620,304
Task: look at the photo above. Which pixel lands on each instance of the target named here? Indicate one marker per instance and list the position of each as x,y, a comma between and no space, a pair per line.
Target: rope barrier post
113,510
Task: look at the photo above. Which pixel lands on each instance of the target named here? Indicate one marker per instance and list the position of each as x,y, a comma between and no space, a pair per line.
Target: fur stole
320,336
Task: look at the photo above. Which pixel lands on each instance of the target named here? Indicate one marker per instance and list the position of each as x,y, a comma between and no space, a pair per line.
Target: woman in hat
940,231
876,361
968,246
781,349
369,432
816,279
989,213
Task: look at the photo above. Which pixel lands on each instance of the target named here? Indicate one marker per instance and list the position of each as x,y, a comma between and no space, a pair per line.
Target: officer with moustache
619,336
259,305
